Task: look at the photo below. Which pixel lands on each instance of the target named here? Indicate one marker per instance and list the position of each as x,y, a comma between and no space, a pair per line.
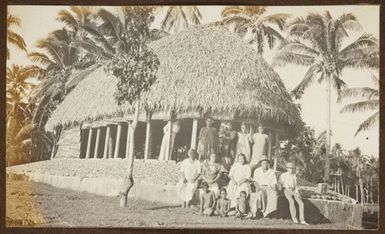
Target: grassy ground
35,204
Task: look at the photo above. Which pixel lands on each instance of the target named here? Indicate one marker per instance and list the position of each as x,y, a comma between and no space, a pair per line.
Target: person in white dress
259,140
243,143
265,197
166,140
239,179
288,181
190,171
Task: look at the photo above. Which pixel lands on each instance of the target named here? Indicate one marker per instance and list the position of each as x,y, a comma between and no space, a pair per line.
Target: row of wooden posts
110,153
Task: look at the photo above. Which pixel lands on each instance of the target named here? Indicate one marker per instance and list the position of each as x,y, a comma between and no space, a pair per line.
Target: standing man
259,147
208,140
190,171
265,198
288,180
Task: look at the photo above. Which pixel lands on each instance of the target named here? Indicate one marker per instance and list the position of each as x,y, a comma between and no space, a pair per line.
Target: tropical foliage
371,102
12,37
316,42
352,173
254,19
178,18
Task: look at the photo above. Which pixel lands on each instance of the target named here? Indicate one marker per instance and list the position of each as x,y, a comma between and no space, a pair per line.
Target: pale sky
37,21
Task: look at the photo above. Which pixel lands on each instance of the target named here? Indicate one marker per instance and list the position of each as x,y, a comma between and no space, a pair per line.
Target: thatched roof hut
204,71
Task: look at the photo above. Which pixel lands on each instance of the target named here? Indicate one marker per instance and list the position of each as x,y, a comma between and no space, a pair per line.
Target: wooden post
128,140
88,152
97,143
108,132
168,148
117,141
270,145
194,134
148,140
276,150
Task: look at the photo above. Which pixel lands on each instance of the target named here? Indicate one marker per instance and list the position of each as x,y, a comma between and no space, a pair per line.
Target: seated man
265,197
288,181
190,171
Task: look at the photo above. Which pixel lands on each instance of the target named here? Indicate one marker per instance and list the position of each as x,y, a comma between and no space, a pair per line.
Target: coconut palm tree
63,63
254,18
371,103
76,16
180,17
119,42
315,42
12,37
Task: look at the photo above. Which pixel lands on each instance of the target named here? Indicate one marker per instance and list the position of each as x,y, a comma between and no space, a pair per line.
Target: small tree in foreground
135,67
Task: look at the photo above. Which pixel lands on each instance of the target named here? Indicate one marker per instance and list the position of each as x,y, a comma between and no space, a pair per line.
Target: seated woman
239,179
211,172
265,197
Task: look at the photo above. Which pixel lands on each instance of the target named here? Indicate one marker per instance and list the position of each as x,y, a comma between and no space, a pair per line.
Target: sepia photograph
193,116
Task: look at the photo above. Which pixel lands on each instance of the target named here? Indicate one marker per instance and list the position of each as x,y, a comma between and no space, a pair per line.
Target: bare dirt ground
36,204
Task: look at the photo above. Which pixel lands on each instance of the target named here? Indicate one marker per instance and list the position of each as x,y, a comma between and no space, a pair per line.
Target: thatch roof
203,69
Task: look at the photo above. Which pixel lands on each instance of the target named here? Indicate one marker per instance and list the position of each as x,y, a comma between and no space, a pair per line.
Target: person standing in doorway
208,141
167,142
243,143
259,140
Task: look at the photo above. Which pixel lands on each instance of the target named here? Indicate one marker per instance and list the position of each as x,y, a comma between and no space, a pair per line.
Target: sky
38,21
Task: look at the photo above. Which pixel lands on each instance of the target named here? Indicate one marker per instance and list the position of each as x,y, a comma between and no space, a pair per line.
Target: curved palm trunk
128,181
328,140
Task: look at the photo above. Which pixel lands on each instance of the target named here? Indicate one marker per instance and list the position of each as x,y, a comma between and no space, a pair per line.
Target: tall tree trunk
362,193
128,181
371,190
328,131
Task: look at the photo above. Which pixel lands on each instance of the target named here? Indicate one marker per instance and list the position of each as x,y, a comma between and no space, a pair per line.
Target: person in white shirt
190,171
239,175
265,197
288,181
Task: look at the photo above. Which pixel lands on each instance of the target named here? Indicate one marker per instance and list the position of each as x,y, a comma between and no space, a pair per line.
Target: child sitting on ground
242,209
207,197
223,204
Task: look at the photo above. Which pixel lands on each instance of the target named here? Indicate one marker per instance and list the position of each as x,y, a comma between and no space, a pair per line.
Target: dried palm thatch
203,69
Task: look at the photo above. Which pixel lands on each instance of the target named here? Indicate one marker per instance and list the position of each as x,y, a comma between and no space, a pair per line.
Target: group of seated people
241,192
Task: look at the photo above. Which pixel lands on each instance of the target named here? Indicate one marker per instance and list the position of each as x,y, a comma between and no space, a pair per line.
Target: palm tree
180,17
76,16
62,64
18,77
254,18
315,41
12,37
119,42
371,103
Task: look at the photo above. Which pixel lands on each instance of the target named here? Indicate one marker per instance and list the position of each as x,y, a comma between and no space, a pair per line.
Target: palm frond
368,123
278,19
309,77
13,20
16,40
230,11
284,57
364,92
68,19
367,105
41,58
